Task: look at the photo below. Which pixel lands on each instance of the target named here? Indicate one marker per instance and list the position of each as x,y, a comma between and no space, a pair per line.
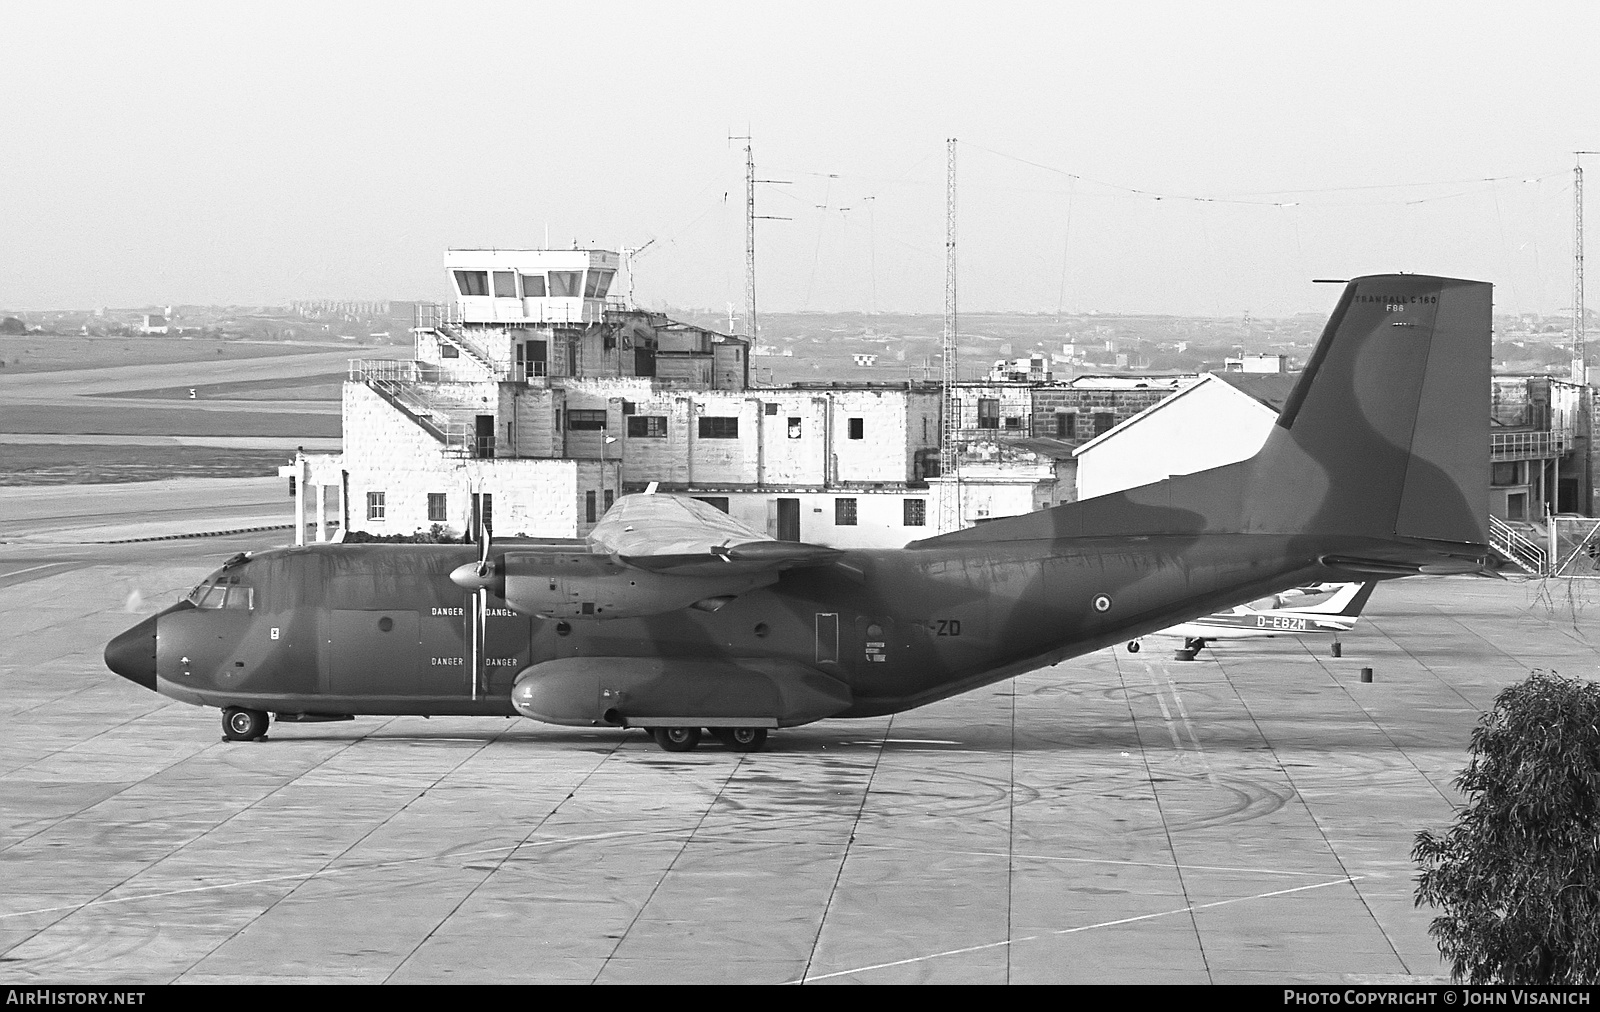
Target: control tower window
599,283
533,286
472,282
505,284
565,284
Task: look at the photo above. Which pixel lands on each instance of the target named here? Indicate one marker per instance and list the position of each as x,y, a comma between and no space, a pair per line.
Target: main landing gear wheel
676,739
239,724
741,739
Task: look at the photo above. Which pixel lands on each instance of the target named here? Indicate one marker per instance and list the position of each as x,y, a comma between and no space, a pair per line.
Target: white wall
1205,426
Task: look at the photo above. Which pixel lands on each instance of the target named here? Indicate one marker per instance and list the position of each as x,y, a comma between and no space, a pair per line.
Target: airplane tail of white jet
1347,601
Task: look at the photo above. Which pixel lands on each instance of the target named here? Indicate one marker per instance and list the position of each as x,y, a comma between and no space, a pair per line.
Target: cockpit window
223,592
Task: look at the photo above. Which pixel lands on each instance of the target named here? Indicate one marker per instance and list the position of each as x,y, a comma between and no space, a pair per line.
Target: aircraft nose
132,654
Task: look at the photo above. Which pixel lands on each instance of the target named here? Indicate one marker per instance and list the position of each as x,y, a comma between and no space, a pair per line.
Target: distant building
155,323
1269,364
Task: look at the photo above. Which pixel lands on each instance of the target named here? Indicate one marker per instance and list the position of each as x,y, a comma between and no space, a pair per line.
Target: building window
375,507
719,501
988,413
566,284
599,284
858,428
649,426
628,407
505,284
449,351
1013,422
1103,421
794,428
533,286
583,420
611,497
916,512
844,512
1066,426
472,282
772,409
588,506
719,427
436,507
1506,472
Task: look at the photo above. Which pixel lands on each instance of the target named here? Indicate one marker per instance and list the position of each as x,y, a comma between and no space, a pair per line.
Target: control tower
511,287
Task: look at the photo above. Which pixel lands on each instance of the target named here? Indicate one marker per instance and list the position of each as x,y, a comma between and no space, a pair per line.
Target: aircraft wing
677,534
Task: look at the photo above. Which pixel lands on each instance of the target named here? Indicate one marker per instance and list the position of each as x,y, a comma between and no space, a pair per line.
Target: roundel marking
1102,603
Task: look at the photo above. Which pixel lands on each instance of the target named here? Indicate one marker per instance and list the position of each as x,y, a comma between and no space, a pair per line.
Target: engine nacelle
657,691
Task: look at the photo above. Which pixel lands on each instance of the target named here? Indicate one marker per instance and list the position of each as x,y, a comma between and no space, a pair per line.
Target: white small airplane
1279,615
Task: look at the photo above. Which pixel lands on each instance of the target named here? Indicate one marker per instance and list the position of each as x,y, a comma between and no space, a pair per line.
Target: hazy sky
238,153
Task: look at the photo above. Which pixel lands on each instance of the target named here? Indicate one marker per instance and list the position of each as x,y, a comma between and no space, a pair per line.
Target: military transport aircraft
1285,614
673,617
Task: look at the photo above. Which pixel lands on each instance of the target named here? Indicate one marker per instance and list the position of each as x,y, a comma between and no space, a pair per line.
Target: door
788,520
483,437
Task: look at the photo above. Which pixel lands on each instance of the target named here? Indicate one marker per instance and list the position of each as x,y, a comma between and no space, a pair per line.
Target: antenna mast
1580,354
950,408
750,217
749,241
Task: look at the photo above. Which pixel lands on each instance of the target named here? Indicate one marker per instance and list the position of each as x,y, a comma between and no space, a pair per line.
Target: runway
1245,818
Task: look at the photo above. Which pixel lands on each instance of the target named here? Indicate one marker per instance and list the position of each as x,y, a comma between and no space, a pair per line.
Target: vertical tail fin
1387,432
1385,436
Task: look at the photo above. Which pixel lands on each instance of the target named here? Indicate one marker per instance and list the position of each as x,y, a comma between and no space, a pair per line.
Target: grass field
51,352
112,419
325,387
90,465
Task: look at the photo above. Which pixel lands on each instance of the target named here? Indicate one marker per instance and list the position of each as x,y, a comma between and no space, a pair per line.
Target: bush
438,534
1518,875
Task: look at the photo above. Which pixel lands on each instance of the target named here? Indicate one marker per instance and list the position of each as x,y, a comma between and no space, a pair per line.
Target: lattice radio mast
1580,353
950,406
750,217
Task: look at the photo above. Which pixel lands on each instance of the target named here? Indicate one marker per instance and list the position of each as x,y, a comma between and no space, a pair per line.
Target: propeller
485,539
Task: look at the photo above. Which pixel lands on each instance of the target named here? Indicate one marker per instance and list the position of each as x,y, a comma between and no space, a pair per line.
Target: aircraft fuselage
381,629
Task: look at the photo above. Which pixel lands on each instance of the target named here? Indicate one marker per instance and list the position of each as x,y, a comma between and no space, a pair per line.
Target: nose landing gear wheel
1133,646
676,739
239,724
741,739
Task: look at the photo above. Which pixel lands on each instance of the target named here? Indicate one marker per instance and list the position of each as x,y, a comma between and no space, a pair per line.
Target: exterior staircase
1517,547
395,382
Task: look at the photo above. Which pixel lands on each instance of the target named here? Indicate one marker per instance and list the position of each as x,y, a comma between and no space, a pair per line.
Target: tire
742,739
240,724
676,739
1133,646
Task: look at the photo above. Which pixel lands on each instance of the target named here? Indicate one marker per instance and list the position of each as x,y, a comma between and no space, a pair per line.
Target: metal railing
1521,550
409,372
1523,444
1575,547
